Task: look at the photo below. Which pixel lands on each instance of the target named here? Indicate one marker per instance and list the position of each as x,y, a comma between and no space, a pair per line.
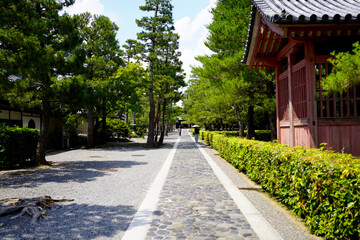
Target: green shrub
261,135
17,145
321,187
138,130
118,127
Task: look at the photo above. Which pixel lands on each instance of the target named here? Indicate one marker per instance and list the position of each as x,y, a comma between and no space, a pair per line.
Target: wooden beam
355,104
277,72
271,40
288,49
275,28
263,42
291,61
268,60
273,50
257,37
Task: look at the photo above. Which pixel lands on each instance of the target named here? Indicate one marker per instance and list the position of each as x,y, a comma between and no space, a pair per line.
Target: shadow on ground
63,172
73,221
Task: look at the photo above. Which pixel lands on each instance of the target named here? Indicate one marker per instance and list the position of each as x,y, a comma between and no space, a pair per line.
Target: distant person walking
179,129
196,132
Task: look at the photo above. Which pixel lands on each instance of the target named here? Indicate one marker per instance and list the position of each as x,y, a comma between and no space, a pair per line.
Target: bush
261,135
320,186
138,130
17,146
118,127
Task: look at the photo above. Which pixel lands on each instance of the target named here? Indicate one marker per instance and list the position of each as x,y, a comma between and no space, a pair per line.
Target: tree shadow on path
63,172
72,221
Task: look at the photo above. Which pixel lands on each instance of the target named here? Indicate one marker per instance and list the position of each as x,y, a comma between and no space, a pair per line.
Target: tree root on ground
35,207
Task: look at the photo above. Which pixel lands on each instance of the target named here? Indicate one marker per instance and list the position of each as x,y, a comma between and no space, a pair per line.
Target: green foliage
138,130
126,86
346,71
118,127
161,51
17,146
320,186
30,52
260,135
223,89
37,46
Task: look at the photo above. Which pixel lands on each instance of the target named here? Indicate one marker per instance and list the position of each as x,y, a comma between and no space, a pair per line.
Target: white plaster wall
26,120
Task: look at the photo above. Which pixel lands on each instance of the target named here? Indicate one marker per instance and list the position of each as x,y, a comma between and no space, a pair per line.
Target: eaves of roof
309,11
303,12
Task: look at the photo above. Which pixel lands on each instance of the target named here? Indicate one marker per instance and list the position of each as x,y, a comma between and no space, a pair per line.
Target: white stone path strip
258,223
140,224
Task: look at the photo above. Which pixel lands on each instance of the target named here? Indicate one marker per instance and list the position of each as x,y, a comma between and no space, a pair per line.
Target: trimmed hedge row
321,187
17,145
261,135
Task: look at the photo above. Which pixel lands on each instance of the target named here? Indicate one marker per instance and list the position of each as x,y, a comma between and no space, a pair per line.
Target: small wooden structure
296,37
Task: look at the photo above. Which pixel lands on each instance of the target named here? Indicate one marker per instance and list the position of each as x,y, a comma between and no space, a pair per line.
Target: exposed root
34,207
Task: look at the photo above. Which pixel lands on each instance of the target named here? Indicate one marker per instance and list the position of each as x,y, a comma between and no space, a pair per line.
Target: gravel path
107,185
194,204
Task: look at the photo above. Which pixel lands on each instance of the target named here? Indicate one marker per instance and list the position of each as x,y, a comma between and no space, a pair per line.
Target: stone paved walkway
194,204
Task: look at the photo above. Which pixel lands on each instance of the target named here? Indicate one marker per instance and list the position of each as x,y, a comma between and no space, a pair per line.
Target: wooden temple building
296,38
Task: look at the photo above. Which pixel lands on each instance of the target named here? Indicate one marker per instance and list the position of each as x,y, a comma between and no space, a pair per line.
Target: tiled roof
303,12
309,11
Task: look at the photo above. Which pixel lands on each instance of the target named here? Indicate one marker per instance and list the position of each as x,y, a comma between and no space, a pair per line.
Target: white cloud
193,34
91,6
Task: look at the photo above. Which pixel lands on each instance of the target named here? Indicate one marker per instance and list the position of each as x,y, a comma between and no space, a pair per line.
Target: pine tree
102,59
36,47
155,36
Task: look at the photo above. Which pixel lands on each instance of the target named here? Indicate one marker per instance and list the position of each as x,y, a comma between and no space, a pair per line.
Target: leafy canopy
346,71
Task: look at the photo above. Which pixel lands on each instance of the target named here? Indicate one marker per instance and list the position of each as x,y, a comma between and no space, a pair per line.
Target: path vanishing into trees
182,190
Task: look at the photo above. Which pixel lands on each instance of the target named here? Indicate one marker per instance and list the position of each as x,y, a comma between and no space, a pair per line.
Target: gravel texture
194,204
107,185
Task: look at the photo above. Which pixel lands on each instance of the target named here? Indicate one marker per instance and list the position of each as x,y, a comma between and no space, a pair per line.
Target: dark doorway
31,124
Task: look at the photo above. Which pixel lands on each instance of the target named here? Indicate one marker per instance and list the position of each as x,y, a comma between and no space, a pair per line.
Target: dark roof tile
304,12
312,11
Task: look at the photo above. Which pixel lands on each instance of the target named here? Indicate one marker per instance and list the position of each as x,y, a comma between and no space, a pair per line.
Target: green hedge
321,187
17,145
261,135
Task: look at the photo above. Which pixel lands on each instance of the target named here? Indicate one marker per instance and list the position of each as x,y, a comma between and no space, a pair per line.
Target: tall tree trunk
103,127
151,135
158,114
240,123
162,131
90,113
133,117
126,116
44,130
168,119
272,115
250,122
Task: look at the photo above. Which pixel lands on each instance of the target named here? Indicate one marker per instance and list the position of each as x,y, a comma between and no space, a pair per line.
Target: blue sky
190,18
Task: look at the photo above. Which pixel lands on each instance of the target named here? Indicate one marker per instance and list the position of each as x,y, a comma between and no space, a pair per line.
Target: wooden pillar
278,130
311,94
291,62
